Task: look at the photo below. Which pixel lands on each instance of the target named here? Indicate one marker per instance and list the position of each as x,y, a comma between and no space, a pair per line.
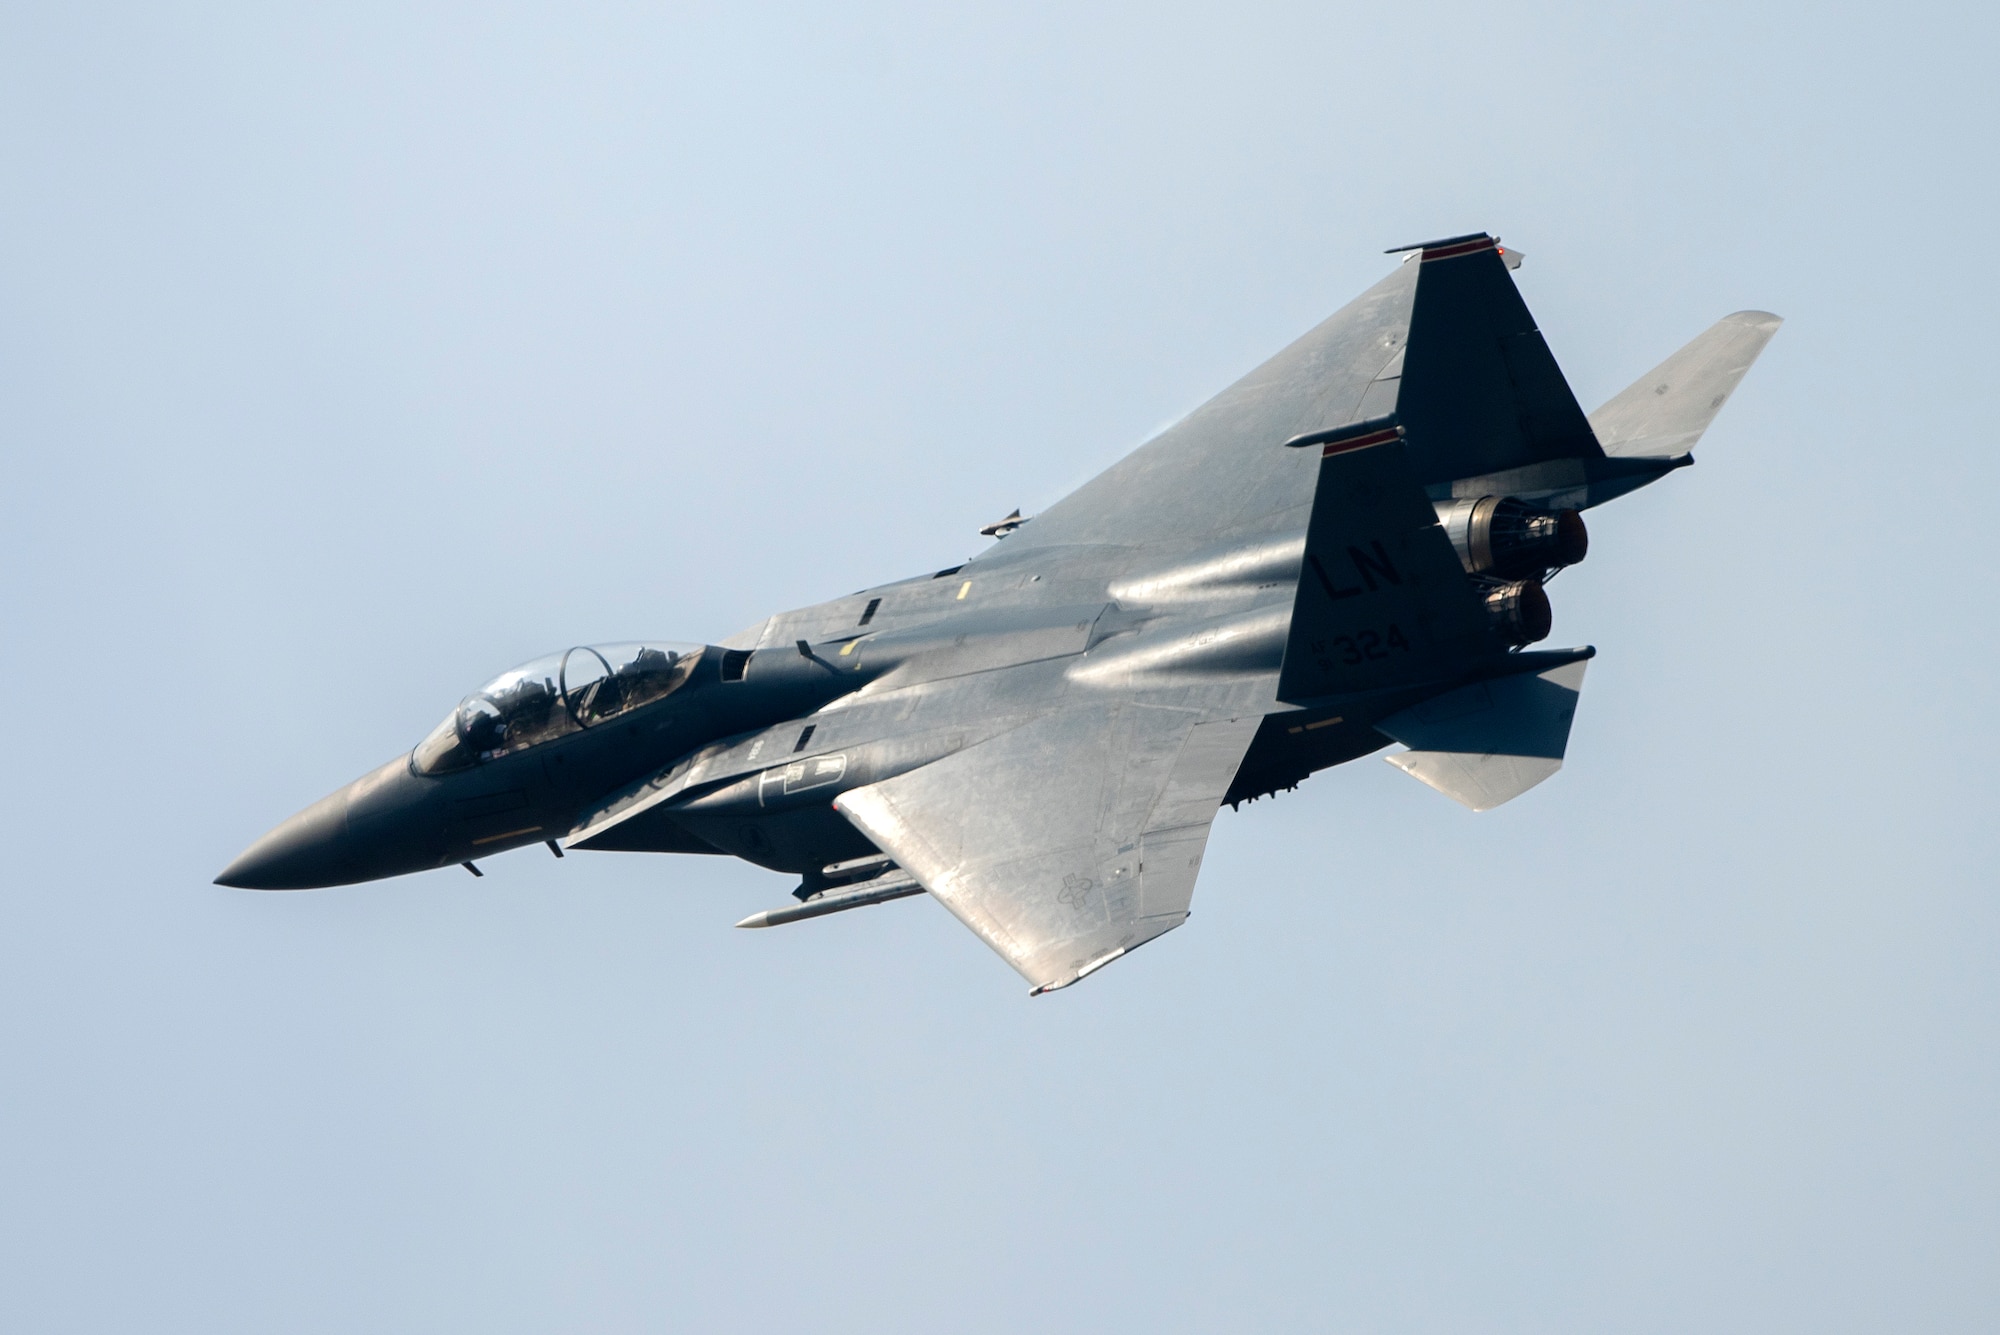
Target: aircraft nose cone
309,850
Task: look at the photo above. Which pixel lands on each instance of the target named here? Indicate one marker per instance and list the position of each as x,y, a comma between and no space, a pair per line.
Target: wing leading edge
1068,842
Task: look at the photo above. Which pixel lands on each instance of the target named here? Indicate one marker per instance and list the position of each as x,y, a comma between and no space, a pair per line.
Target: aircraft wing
1069,841
1445,343
1214,472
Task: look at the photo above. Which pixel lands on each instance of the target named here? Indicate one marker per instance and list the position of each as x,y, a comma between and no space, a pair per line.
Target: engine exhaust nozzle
1520,611
1507,537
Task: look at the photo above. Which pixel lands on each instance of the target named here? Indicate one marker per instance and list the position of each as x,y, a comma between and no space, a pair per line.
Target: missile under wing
1342,552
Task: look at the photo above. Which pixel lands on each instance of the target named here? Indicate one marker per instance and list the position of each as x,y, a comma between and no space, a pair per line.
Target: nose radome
309,850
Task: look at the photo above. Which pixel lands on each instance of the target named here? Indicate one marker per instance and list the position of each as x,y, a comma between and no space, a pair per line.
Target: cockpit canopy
553,697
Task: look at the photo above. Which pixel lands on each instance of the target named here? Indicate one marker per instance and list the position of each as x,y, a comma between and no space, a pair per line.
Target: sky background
350,356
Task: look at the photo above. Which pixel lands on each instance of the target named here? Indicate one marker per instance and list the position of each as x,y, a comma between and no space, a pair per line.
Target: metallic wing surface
1069,841
1214,474
1445,343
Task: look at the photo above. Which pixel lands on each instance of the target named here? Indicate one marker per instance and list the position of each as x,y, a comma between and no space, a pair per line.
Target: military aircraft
1344,550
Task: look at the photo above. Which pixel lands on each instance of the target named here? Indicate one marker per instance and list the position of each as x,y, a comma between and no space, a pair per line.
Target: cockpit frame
552,697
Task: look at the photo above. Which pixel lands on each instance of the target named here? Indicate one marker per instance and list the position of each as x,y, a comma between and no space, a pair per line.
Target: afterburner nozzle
1520,611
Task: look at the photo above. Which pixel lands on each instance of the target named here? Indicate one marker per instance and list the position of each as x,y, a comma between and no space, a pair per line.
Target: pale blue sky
348,357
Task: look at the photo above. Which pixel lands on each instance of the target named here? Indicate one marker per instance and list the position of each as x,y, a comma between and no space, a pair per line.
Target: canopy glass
552,697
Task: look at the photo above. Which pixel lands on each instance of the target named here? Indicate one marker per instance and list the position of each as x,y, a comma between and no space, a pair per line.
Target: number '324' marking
1364,646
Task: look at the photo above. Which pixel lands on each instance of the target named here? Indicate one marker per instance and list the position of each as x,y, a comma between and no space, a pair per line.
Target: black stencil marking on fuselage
1369,566
1333,591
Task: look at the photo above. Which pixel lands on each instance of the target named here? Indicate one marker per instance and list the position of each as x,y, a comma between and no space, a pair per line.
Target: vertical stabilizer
1480,391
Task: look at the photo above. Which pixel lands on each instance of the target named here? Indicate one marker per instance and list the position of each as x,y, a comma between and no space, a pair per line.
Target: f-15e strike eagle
1343,550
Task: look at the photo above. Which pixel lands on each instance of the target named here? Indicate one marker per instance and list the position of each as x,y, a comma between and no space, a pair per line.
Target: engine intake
1499,535
1520,611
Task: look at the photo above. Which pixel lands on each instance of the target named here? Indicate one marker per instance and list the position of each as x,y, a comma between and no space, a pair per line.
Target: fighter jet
1343,552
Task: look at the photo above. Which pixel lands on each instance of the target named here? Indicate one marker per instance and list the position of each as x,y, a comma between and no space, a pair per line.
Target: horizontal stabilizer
1663,413
1489,742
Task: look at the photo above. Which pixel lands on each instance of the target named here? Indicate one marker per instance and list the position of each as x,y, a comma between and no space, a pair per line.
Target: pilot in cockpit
552,697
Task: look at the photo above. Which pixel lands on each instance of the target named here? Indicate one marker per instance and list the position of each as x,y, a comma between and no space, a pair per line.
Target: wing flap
1068,841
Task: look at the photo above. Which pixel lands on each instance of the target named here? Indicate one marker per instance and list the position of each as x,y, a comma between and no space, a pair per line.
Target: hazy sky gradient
349,357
